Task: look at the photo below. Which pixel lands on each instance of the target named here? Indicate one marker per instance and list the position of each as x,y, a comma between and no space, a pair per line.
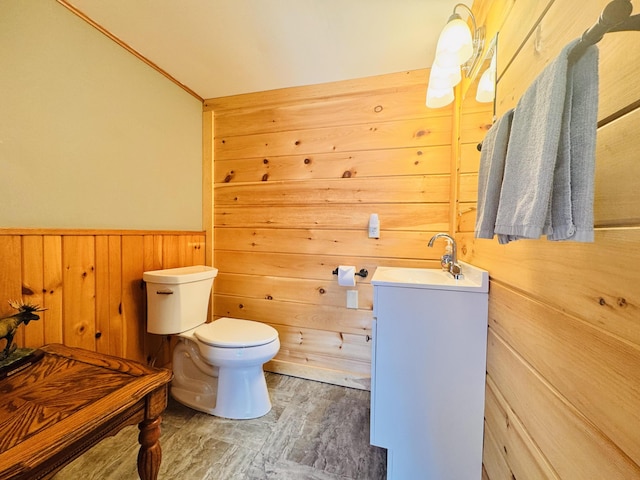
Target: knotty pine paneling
10,288
494,466
520,26
52,273
511,440
343,138
468,187
372,163
594,281
109,287
475,120
367,86
91,285
618,62
466,220
296,314
470,155
617,196
79,280
349,352
289,289
11,261
567,351
133,293
412,244
389,104
574,446
387,189
564,342
474,125
400,216
307,266
297,173
33,283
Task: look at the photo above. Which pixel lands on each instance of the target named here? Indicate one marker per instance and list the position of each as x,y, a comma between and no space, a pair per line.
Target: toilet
217,366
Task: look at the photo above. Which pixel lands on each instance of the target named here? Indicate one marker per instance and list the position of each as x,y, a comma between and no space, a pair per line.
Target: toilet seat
235,333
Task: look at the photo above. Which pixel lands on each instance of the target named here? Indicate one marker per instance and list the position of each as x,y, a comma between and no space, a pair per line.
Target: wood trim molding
127,47
78,231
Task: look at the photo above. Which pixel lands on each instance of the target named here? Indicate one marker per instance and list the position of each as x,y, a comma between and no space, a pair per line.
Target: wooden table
57,409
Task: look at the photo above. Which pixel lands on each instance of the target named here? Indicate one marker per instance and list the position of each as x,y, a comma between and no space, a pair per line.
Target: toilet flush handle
164,292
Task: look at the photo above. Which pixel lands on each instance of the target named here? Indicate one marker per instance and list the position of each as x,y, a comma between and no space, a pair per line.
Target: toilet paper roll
347,275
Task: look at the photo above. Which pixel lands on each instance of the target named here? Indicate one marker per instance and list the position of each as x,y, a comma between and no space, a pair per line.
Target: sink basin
475,279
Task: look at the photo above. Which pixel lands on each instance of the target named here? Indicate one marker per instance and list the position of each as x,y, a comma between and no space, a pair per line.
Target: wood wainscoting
90,283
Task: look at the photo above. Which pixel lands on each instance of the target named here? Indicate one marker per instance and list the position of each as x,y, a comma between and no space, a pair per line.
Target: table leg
150,454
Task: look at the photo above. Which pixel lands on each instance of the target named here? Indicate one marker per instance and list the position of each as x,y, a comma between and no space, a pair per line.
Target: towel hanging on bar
547,187
616,17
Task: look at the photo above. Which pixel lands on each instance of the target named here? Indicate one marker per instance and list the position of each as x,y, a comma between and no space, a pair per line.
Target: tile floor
314,431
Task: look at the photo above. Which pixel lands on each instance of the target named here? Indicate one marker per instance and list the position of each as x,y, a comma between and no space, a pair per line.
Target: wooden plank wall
475,121
563,388
297,173
90,283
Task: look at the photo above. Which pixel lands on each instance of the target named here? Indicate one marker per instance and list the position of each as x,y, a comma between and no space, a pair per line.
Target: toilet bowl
217,366
217,373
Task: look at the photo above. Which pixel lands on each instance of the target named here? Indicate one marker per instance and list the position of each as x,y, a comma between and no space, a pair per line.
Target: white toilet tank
178,298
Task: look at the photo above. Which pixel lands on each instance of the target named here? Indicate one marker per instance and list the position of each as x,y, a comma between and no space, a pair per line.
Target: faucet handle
456,270
447,259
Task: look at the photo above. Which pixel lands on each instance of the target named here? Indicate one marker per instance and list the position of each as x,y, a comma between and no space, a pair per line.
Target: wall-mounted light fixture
458,49
486,91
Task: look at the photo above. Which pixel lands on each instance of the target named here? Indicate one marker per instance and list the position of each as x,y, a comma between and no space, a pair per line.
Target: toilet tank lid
235,333
193,273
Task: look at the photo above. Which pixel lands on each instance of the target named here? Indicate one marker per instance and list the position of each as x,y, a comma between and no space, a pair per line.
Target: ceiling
218,48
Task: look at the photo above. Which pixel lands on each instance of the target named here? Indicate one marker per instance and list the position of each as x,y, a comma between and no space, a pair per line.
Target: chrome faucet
448,261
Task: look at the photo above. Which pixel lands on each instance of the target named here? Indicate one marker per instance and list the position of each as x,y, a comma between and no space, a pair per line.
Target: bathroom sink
428,361
475,279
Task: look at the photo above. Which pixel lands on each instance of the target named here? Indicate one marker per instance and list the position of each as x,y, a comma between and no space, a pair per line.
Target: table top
55,404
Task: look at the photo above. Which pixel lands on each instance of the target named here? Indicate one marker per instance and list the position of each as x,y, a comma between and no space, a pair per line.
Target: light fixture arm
455,15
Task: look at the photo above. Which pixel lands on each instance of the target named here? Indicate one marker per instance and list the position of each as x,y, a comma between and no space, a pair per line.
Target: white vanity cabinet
428,372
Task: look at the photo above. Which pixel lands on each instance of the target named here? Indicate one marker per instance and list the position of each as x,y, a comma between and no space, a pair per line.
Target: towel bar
616,17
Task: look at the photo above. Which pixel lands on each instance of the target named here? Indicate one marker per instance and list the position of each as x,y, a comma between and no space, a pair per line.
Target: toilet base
236,393
242,393
193,399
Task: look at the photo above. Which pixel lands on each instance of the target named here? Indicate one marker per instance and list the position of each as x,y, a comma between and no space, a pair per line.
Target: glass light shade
455,45
486,87
437,98
487,84
444,77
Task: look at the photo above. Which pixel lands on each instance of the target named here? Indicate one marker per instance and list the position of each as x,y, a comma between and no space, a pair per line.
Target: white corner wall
90,136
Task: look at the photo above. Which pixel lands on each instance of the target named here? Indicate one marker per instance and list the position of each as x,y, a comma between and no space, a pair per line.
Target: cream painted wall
90,137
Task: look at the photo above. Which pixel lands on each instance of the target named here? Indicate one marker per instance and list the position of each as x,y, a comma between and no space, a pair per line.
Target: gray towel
492,158
551,153
572,214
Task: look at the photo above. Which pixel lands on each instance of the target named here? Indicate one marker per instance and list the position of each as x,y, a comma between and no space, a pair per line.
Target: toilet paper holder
362,273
